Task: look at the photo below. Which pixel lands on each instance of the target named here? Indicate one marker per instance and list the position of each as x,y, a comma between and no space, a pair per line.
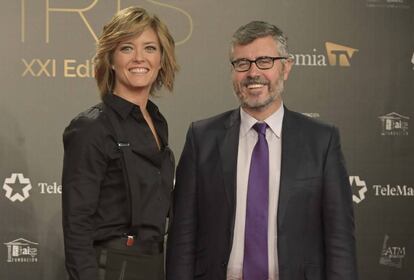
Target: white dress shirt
247,140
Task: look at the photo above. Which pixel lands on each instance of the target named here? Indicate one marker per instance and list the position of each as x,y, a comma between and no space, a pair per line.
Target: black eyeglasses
262,62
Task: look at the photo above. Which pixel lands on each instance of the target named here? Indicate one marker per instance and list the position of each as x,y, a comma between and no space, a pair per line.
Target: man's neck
261,114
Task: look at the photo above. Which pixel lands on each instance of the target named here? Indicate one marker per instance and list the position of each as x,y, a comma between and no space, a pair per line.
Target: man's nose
254,70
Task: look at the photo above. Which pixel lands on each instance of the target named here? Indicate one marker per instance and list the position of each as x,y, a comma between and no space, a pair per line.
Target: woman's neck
139,98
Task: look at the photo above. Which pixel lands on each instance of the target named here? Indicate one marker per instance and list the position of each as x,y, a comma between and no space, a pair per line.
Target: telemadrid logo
361,187
17,187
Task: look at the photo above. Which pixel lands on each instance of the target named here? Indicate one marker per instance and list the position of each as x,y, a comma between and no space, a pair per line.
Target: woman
118,170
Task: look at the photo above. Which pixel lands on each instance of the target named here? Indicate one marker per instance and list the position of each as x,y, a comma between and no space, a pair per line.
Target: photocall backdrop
354,68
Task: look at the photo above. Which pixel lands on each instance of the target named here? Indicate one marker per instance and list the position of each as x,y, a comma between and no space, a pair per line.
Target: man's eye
264,61
242,63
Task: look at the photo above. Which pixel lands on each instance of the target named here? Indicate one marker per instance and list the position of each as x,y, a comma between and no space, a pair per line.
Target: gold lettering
22,20
28,67
43,67
118,7
74,70
54,68
84,70
67,68
185,13
66,10
339,55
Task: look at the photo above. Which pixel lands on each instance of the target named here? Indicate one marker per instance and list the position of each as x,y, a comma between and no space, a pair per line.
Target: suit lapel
228,143
292,147
291,154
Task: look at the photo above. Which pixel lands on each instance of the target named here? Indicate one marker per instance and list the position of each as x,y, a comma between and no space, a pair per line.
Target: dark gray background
380,80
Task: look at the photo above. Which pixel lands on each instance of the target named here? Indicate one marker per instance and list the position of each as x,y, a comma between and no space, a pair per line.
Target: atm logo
335,55
392,254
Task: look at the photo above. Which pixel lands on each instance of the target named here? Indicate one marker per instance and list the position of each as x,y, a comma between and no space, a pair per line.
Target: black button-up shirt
95,197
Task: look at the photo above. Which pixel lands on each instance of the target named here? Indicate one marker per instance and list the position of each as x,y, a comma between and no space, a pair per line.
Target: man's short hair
259,29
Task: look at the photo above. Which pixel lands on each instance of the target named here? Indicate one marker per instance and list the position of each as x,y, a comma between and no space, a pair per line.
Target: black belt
148,247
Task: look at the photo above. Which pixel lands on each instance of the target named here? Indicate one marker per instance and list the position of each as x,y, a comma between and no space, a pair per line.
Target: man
261,192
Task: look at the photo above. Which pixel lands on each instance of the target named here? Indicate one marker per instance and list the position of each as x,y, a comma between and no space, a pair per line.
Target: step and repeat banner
354,68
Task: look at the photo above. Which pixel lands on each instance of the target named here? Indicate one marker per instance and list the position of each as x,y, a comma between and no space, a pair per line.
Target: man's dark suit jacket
315,222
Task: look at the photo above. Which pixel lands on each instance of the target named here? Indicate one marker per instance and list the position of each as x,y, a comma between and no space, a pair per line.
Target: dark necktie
255,263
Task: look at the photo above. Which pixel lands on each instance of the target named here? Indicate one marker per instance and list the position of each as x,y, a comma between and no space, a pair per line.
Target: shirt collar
274,121
123,107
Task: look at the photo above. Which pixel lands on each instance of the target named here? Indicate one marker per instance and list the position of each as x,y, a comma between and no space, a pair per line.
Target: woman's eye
126,49
151,48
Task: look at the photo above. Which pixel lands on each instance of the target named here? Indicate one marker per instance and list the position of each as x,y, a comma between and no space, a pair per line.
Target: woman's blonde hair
128,23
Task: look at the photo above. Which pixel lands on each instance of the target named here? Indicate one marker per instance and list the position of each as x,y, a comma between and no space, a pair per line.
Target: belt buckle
130,240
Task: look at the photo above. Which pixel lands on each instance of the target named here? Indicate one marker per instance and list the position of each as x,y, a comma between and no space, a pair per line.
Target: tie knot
260,128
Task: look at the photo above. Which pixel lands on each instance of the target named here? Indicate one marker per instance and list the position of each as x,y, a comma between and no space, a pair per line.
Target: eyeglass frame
273,58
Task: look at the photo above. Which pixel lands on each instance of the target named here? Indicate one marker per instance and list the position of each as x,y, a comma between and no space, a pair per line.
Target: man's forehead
258,47
267,38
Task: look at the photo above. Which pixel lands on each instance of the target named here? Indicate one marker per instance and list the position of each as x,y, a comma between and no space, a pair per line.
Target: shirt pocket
114,164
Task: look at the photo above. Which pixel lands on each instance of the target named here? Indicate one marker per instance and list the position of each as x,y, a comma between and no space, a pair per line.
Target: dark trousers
128,263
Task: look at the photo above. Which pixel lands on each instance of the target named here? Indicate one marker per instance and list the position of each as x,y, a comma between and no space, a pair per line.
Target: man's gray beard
272,97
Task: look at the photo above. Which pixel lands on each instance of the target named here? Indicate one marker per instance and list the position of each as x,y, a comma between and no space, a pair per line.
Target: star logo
412,60
356,182
17,187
